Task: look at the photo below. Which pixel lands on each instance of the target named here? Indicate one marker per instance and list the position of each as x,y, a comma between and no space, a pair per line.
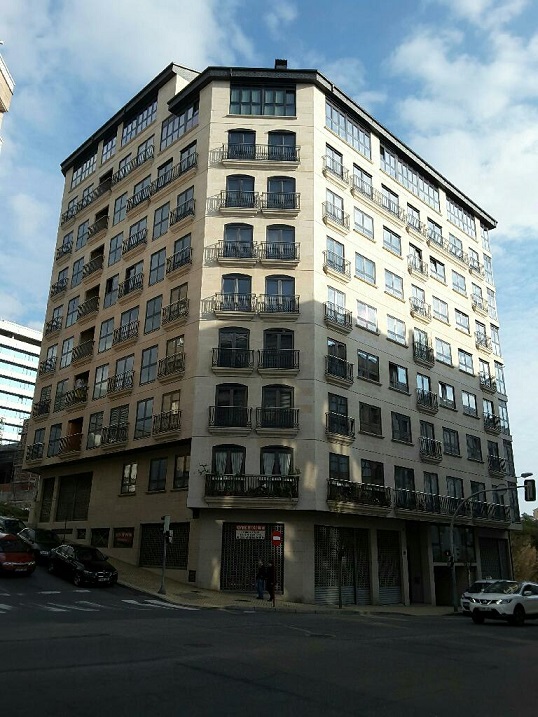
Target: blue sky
457,80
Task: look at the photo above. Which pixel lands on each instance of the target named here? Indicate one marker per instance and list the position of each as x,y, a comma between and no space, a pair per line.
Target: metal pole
162,589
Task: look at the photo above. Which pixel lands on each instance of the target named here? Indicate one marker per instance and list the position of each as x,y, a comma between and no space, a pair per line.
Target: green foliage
12,511
525,550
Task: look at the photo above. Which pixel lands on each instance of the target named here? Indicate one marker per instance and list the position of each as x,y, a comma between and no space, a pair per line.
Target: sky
456,80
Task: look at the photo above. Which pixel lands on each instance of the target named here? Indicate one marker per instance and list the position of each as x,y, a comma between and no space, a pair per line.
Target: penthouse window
177,125
409,177
461,218
144,118
83,170
348,129
275,101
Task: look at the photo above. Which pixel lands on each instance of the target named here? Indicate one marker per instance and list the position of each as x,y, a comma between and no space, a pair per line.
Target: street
91,651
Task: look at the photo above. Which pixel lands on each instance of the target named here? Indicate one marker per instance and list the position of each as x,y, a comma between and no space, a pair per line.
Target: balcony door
281,193
236,290
238,241
278,348
231,405
277,405
240,191
280,242
280,293
282,146
241,144
233,347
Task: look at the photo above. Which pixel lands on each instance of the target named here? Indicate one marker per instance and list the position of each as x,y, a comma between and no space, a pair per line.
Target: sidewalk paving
148,580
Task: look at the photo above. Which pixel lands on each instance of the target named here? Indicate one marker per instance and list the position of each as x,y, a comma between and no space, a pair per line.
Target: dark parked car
11,525
82,564
41,541
16,556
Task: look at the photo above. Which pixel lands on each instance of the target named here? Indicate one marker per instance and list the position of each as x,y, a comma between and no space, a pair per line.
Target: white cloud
281,14
486,13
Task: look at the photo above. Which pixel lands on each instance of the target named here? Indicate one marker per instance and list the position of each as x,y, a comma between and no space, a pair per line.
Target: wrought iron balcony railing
336,168
278,359
420,308
275,417
339,316
125,333
230,417
281,201
416,225
47,366
347,491
53,325
177,310
278,304
111,435
99,226
251,486
487,383
88,307
430,449
233,358
41,408
82,351
496,465
139,238
235,302
95,264
482,341
236,250
179,259
260,152
133,164
490,511
339,368
479,304
58,287
492,423
279,251
70,444
141,196
336,215
417,266
64,250
427,400
339,424
337,263
237,199
363,187
101,189
34,451
166,422
120,382
133,283
76,396
185,209
423,353
426,502
171,365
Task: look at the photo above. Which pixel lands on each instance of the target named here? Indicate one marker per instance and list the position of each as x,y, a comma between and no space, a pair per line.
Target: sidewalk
148,581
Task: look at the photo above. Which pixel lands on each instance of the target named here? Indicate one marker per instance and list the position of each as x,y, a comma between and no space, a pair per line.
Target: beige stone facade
7,87
269,316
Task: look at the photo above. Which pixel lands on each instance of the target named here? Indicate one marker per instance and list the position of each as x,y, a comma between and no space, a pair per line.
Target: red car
16,556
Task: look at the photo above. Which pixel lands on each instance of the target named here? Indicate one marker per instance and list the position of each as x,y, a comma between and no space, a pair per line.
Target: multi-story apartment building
7,86
274,322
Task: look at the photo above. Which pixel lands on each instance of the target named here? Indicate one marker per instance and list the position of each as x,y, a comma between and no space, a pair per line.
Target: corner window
274,101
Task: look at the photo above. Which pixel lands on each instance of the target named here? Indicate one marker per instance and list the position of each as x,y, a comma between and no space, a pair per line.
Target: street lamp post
462,502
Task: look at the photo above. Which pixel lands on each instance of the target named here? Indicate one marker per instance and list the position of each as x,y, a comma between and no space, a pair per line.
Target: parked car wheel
77,579
518,618
477,617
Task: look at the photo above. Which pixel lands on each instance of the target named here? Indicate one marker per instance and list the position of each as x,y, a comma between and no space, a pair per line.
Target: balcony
277,421
338,318
83,352
175,313
362,495
427,402
182,212
120,384
413,224
232,361
483,342
496,466
230,419
53,326
281,203
99,191
34,451
131,285
479,305
87,308
64,251
335,217
335,265
253,491
339,428
487,384
76,397
69,445
418,502
131,166
59,287
171,367
430,450
126,333
141,196
138,241
92,267
335,170
279,254
168,177
101,225
338,371
112,436
238,202
278,362
237,305
278,306
492,424
237,155
417,267
41,409
47,366
236,253
166,423
423,354
490,512
475,267
420,310
180,260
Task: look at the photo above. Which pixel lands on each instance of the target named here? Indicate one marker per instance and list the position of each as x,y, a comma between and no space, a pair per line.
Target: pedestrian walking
260,580
270,580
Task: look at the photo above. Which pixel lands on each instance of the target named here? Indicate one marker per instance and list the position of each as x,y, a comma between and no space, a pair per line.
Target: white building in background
7,85
19,357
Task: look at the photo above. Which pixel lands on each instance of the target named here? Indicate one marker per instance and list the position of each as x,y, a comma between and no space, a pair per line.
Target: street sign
276,538
250,532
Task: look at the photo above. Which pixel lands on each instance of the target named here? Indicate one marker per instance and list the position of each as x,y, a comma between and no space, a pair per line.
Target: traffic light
530,489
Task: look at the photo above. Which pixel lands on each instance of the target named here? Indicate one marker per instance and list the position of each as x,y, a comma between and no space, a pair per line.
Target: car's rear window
8,545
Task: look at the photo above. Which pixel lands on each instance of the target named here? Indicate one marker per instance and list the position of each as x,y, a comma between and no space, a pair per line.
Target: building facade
7,86
272,321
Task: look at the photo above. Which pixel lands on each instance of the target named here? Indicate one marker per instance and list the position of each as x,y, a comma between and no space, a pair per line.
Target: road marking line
138,605
49,608
82,590
96,604
5,608
171,606
74,607
49,592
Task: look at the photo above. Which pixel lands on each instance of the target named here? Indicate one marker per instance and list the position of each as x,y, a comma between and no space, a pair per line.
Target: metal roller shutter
388,555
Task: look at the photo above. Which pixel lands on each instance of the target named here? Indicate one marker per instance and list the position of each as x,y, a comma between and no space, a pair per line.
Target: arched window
280,242
233,350
241,144
281,193
230,405
228,459
240,191
282,146
276,460
280,294
278,350
277,407
236,292
238,241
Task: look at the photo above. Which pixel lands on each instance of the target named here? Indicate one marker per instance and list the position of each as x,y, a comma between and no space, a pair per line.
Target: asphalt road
104,652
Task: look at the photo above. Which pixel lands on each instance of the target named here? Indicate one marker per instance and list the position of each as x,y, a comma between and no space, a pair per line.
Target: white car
508,600
479,586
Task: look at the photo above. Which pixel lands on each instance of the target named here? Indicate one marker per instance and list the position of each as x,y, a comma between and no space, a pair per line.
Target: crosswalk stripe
49,592
96,604
74,607
50,608
158,603
5,608
138,605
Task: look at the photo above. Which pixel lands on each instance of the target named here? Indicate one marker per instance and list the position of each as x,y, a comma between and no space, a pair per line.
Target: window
280,242
487,407
229,460
409,177
435,232
231,405
101,381
474,448
335,208
157,267
157,474
276,461
427,430
106,334
95,425
54,440
81,171
276,404
419,297
392,241
72,310
462,321
365,269
282,146
394,284
468,401
401,427
334,161
370,419
488,269
111,291
451,442
274,101
77,272
128,478
238,241
182,465
148,366
144,414
67,352
372,472
362,181
59,397
440,309
160,221
177,125
499,375
396,330
465,361
443,351
390,200
120,209
447,397
366,316
454,487
348,129
398,378
404,480
109,149
437,269
114,252
338,467
364,223
431,483
423,383
492,304
152,321
368,366
458,283
455,246
460,217
495,340
82,235
139,123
